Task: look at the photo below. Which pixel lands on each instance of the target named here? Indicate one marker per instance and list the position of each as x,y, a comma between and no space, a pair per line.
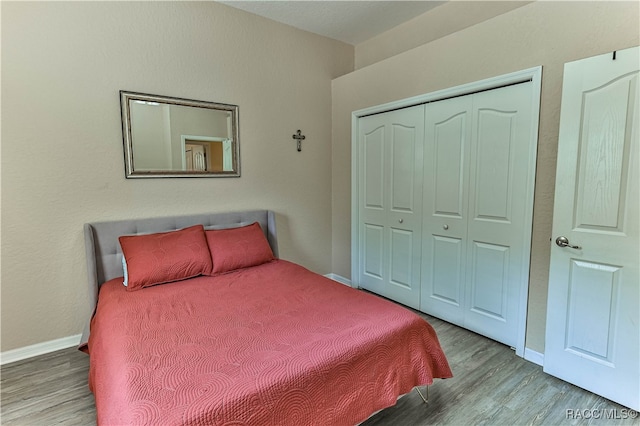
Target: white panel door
479,174
390,203
501,175
593,308
444,226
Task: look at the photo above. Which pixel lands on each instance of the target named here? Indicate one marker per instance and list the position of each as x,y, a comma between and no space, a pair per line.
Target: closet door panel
401,247
488,278
404,158
447,162
373,251
494,147
403,147
390,203
373,196
372,183
444,227
447,270
497,227
405,140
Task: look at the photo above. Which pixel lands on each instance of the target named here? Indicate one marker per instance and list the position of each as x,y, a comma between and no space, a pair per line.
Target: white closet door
390,203
502,169
444,227
478,178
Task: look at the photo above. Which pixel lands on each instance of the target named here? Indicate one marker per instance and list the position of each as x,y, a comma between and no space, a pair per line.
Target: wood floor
491,386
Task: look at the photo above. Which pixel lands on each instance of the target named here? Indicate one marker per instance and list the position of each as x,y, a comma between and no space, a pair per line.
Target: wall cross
299,137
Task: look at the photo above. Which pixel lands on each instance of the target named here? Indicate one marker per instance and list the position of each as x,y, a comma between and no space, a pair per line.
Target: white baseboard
19,354
534,357
340,279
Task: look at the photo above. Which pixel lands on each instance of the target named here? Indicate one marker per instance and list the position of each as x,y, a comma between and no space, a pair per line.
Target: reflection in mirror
172,137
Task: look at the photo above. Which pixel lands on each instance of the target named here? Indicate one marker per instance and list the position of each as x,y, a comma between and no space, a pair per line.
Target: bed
266,342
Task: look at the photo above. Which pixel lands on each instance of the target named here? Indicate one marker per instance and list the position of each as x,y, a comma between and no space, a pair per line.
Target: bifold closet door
478,171
446,175
502,169
390,203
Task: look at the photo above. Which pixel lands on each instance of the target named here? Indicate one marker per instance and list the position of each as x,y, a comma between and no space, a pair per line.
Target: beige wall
62,157
448,18
540,33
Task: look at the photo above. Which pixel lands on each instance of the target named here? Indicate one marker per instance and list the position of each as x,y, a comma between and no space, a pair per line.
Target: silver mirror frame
130,172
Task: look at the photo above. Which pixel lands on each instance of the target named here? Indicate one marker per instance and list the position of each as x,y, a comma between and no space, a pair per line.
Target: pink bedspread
273,344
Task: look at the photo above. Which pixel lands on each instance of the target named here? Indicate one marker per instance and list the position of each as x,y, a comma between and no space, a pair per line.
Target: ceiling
349,21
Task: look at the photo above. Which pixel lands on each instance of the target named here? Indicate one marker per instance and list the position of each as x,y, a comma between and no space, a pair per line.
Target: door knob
564,242
401,220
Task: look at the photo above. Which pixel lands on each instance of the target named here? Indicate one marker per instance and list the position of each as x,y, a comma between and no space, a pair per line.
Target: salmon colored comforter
274,344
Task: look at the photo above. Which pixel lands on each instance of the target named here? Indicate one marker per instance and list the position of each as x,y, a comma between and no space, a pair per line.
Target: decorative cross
299,137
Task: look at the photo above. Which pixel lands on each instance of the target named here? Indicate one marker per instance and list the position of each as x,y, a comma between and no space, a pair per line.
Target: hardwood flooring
47,390
491,386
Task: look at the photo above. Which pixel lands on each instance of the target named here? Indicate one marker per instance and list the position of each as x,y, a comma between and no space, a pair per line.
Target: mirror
172,137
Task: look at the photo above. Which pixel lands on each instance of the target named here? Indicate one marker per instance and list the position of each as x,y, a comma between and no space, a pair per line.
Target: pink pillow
165,257
237,248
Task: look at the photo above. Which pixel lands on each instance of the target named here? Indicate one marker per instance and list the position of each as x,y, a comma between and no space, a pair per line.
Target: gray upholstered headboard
104,256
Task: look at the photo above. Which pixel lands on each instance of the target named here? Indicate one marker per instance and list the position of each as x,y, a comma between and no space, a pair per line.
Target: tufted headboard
104,256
